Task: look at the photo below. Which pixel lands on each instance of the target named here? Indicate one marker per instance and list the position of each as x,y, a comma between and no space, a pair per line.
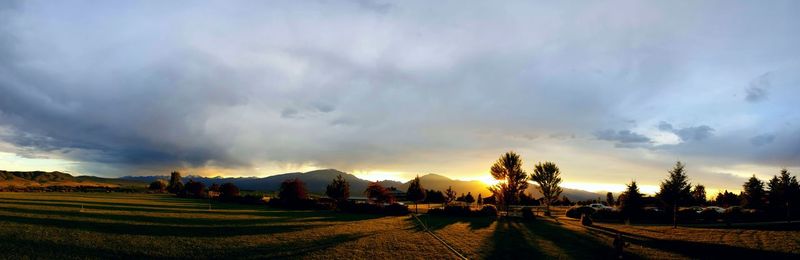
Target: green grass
120,225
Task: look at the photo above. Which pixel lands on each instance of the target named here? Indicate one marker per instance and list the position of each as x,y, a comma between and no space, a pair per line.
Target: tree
228,191
158,186
547,176
214,187
195,189
339,189
415,192
480,199
783,192
610,199
378,193
508,169
293,191
175,183
727,199
753,193
699,195
675,191
434,196
631,203
469,199
449,195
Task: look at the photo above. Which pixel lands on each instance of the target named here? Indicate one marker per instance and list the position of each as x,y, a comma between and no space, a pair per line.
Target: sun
489,181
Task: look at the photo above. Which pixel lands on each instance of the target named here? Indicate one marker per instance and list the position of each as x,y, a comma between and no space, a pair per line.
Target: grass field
118,225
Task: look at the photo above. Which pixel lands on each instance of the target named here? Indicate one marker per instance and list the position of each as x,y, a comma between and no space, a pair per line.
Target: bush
527,214
607,215
577,212
688,215
586,220
454,210
488,211
393,209
709,215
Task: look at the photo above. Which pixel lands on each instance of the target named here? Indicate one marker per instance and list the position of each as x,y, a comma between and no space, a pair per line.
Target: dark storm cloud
623,138
363,83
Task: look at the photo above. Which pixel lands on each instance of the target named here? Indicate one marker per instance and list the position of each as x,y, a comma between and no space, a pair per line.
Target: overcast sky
610,91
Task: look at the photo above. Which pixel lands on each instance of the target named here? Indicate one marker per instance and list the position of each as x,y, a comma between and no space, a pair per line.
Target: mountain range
316,182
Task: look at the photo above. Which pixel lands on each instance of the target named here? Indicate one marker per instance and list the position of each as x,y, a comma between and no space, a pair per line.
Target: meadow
127,225
139,226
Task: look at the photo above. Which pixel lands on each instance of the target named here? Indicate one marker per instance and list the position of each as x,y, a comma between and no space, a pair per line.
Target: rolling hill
48,179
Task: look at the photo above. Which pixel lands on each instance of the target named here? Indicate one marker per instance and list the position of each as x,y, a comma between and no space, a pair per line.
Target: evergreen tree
547,176
675,191
480,199
783,193
339,189
631,203
753,193
415,192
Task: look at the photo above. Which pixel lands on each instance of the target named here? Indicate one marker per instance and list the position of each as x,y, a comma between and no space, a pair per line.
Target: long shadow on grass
15,248
702,250
113,207
159,230
177,220
294,249
439,222
196,204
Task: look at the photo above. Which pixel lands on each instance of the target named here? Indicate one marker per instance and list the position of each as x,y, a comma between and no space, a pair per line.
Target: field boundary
438,238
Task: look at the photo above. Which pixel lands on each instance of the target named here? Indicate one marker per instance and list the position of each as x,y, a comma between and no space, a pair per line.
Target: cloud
401,86
692,133
757,89
623,138
762,139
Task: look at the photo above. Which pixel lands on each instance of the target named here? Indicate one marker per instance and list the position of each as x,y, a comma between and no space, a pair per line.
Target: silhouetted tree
783,192
415,192
727,199
449,195
293,191
699,195
214,187
339,189
610,199
547,176
434,196
480,199
469,199
509,169
175,182
158,186
228,191
675,191
565,201
195,189
378,193
631,203
753,193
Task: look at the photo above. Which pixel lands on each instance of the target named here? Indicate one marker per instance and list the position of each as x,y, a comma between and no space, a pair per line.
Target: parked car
697,209
717,209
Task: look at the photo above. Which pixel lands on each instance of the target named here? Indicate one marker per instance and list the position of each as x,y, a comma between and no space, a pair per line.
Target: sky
611,91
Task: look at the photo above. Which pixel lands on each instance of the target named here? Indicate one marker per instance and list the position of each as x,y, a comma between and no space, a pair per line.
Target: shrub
688,215
577,212
454,210
709,215
586,220
527,214
607,215
488,211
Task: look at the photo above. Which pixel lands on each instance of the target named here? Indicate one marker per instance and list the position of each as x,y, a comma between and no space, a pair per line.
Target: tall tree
675,191
631,203
610,199
339,189
547,176
699,195
753,193
415,192
158,186
514,180
293,191
449,195
378,193
480,199
228,191
783,192
175,182
195,189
